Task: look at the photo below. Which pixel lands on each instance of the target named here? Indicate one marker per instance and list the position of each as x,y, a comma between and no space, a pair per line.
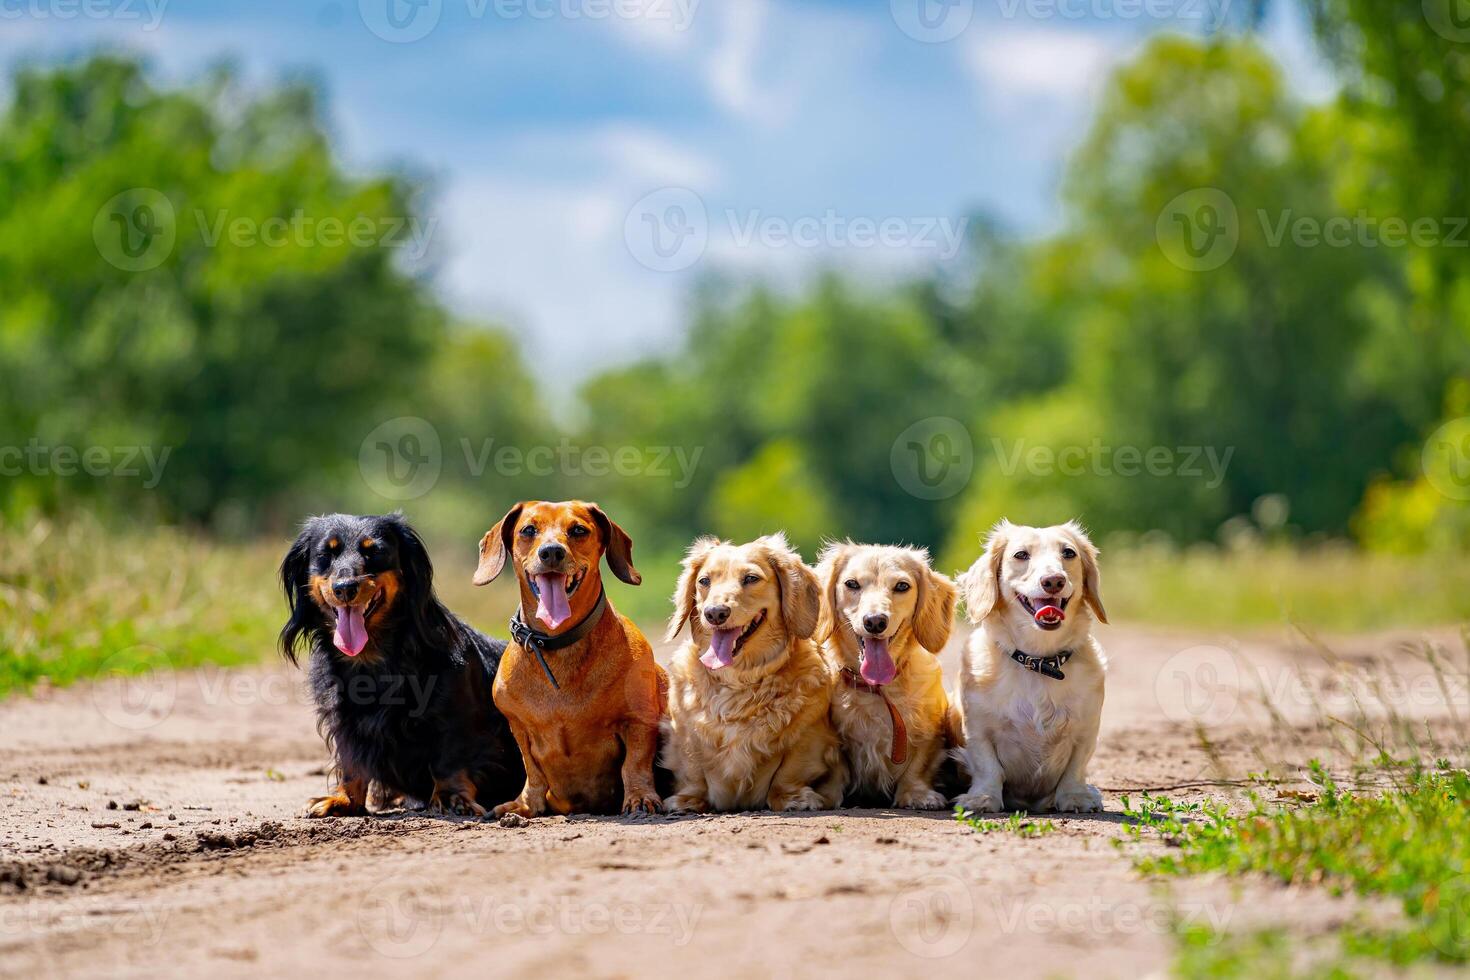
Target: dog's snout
345,589
875,623
1053,584
551,554
716,615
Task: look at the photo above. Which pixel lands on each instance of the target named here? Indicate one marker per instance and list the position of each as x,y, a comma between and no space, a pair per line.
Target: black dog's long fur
422,708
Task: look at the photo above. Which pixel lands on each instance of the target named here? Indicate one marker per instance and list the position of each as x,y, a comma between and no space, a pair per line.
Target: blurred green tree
191,271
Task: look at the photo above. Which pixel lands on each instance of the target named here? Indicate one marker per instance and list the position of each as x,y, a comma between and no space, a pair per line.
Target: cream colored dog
1031,690
749,694
885,614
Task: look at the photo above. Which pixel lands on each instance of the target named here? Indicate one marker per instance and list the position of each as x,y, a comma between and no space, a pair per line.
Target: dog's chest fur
866,729
740,731
1033,722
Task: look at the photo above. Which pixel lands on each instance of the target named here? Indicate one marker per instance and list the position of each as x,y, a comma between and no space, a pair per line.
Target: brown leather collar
900,750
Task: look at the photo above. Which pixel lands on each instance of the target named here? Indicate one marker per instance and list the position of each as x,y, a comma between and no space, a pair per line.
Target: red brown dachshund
578,682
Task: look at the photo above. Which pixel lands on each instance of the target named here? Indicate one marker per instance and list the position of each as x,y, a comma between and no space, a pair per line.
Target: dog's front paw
980,803
517,806
457,803
805,798
1079,799
919,799
685,803
336,805
642,802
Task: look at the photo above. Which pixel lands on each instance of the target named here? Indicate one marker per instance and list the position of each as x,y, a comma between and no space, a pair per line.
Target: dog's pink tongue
721,652
350,636
1050,614
878,666
552,607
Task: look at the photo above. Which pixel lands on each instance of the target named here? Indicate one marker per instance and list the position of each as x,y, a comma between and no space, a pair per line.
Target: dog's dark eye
1022,556
1068,554
704,581
578,531
852,583
529,531
902,587
750,579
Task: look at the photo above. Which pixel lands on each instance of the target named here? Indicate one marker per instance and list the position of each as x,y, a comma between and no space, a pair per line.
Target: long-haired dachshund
749,693
402,687
886,614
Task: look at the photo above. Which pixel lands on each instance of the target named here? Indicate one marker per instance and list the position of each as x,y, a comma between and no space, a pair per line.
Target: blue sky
762,138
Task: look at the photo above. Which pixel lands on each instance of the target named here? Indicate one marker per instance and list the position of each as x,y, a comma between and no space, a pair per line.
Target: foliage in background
258,363
1313,373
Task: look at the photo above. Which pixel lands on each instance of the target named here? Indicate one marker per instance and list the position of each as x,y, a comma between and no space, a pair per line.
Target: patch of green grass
78,601
1019,823
1410,843
1332,587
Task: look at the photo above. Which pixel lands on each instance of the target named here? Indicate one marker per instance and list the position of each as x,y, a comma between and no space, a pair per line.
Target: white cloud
548,259
649,157
1016,68
664,25
731,68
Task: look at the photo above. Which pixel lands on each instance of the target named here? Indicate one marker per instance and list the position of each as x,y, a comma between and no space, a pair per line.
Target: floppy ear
294,569
829,573
980,586
1091,578
684,592
619,547
429,618
934,611
495,546
801,593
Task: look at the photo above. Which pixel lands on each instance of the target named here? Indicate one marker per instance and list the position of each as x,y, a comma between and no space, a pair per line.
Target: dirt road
153,827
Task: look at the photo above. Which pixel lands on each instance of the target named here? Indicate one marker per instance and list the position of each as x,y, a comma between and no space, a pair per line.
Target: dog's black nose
551,554
345,591
1054,583
716,615
875,624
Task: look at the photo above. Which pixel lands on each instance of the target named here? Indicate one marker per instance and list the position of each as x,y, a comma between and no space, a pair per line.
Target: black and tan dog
579,683
402,686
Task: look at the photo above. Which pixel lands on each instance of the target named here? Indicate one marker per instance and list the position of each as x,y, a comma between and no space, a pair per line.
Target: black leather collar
1047,666
538,642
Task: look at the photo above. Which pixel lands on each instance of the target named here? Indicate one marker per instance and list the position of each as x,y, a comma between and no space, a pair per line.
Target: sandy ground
152,826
